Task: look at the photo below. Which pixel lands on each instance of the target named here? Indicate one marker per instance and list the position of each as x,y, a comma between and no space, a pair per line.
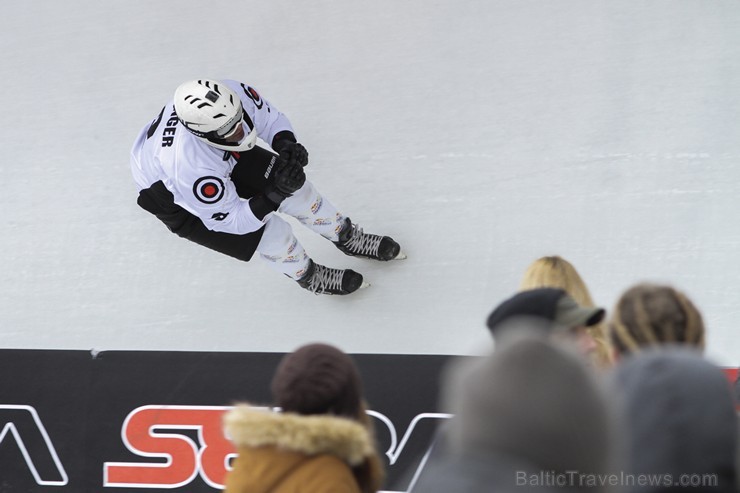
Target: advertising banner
127,422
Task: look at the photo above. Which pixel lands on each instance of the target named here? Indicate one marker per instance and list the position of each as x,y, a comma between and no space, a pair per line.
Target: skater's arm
286,180
271,124
268,120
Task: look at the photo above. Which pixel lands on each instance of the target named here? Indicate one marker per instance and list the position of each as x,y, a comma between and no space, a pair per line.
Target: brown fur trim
349,440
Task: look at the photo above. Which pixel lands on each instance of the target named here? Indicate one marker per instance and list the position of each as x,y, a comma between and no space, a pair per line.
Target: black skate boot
353,241
325,280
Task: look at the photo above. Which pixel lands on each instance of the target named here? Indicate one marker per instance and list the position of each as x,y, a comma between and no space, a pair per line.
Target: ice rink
481,135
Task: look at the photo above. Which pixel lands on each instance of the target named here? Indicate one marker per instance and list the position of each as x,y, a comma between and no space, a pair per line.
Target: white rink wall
481,135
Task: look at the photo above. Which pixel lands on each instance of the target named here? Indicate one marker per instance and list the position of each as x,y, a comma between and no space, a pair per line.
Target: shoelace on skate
363,244
325,279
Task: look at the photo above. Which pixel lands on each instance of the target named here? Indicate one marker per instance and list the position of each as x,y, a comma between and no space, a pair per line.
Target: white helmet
212,112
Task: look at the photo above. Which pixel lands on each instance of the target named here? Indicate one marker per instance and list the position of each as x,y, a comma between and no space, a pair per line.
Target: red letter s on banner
151,431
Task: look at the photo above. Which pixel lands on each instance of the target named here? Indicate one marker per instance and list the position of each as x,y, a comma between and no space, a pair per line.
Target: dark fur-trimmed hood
249,426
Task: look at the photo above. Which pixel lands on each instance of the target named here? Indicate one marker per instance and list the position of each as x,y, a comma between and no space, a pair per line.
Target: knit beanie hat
679,416
318,379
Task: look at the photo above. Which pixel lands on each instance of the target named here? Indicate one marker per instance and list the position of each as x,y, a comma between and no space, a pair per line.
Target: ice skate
325,280
354,241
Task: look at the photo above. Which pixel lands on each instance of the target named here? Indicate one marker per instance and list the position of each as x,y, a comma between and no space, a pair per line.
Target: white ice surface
480,134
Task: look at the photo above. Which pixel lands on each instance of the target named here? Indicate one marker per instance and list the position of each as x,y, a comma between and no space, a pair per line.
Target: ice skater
219,161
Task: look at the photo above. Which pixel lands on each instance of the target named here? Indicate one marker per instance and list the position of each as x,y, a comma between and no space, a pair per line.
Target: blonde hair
556,272
650,315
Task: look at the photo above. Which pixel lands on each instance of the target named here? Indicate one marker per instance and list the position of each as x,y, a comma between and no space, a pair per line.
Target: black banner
130,422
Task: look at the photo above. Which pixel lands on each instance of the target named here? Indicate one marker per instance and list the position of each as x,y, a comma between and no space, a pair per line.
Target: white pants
280,248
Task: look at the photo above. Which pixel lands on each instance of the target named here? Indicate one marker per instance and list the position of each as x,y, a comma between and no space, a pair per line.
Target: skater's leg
314,211
317,213
281,249
275,243
284,253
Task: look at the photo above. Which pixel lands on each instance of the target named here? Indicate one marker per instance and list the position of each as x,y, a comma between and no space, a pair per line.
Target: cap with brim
568,313
540,302
550,304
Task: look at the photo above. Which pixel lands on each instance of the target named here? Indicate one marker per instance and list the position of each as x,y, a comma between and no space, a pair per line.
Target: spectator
681,422
649,315
524,417
556,272
536,312
550,310
321,442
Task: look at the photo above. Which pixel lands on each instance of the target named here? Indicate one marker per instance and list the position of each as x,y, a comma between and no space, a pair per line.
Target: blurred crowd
571,398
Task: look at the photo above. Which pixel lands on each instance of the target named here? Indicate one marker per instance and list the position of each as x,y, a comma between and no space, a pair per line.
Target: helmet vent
209,109
208,85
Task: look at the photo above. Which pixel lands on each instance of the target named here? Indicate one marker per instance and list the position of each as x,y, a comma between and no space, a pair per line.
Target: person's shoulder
237,86
248,94
192,153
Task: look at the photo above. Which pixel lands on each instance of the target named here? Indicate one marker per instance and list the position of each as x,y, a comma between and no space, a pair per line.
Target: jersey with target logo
194,172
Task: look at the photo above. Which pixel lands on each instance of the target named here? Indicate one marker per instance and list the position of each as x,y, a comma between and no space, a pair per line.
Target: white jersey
198,175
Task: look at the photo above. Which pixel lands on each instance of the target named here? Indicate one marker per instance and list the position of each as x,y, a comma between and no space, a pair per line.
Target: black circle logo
208,189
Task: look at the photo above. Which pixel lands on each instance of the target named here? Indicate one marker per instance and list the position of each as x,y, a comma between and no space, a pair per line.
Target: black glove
289,176
286,145
286,179
295,153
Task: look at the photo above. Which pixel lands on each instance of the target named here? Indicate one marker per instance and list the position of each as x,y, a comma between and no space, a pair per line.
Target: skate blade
401,256
364,285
